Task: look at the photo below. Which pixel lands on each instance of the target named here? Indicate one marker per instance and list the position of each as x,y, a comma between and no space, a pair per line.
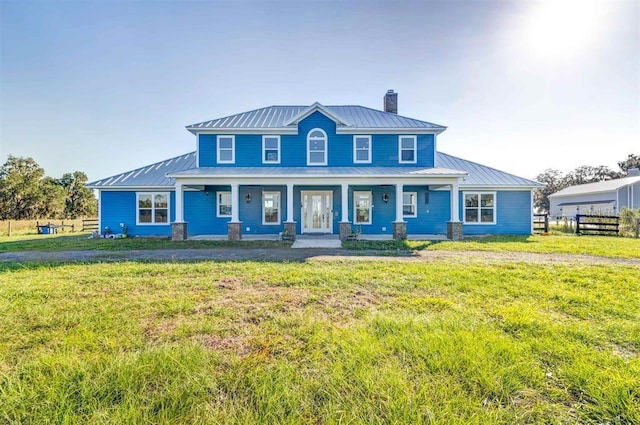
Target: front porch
373,208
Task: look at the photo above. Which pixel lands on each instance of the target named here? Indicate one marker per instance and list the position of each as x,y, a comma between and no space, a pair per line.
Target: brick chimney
391,102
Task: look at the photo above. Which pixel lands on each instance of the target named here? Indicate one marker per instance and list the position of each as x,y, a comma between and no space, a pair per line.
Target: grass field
554,244
342,341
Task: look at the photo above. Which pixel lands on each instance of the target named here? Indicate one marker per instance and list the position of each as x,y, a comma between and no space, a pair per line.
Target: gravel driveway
285,254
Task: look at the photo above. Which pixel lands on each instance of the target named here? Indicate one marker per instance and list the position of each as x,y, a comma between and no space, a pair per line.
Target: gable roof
481,175
597,187
155,175
285,117
313,108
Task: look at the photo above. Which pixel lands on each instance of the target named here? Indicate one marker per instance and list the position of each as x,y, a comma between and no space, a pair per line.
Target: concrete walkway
322,241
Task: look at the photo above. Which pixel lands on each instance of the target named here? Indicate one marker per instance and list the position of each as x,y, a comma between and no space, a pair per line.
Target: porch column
289,224
344,189
235,203
289,202
399,225
345,225
179,227
454,226
399,201
234,227
455,205
179,203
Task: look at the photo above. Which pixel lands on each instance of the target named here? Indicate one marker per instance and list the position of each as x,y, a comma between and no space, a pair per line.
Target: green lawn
603,246
84,242
319,342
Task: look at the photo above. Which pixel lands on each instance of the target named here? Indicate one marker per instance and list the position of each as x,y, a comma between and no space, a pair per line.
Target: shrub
629,221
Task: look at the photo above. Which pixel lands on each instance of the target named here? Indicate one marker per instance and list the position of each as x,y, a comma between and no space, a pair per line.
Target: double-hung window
480,207
407,146
409,204
224,204
153,208
362,211
271,149
271,208
362,149
317,147
226,149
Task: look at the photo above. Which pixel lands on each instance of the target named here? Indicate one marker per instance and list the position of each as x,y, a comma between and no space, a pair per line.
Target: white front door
317,213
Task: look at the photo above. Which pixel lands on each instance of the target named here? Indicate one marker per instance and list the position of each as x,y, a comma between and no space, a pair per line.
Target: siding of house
513,215
248,151
636,195
583,199
120,207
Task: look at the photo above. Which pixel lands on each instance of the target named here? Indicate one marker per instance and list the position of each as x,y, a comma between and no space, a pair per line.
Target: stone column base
289,230
399,230
454,230
345,230
178,231
234,230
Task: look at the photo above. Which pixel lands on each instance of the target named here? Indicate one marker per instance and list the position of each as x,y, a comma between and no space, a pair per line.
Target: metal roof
481,175
598,187
317,171
281,116
155,175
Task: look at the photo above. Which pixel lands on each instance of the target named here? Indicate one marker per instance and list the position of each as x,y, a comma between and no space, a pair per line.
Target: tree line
26,193
555,180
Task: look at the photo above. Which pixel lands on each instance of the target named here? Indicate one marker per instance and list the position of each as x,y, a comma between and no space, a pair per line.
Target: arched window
317,147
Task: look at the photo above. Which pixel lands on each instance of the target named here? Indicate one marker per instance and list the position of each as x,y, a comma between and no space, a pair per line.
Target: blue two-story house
316,169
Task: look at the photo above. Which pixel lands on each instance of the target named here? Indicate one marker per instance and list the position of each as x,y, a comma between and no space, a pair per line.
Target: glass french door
316,212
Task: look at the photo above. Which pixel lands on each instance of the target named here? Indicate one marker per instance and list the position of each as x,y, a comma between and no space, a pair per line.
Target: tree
79,200
20,192
553,181
588,174
632,161
52,203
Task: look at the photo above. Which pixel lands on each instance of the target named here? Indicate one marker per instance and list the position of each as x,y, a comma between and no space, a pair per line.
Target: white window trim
415,149
326,148
233,149
272,192
355,206
481,223
218,204
153,208
415,205
355,150
264,150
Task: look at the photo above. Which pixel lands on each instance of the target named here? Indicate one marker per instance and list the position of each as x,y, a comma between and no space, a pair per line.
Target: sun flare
557,28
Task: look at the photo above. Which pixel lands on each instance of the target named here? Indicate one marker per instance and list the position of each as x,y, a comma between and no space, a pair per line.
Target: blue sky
108,86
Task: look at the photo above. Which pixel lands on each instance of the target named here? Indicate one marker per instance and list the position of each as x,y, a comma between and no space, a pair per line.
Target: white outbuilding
606,197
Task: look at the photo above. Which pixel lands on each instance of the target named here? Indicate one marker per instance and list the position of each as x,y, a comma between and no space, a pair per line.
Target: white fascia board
319,181
497,187
130,188
398,131
233,131
294,130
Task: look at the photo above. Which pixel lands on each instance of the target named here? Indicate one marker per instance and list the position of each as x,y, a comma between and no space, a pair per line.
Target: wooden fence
541,223
89,224
597,224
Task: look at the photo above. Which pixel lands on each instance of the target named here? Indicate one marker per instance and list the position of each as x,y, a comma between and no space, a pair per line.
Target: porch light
385,197
248,198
